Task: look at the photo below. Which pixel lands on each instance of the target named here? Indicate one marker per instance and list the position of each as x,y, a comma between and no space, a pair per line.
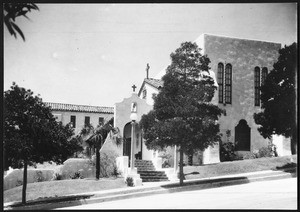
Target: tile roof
79,108
154,82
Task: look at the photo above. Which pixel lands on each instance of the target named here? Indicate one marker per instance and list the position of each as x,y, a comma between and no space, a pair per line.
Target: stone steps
154,177
148,173
151,172
145,169
154,180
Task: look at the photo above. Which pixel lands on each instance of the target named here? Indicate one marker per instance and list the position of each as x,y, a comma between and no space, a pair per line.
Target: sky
91,54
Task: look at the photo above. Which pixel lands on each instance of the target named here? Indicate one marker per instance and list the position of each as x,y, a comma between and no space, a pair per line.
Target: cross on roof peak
147,70
133,87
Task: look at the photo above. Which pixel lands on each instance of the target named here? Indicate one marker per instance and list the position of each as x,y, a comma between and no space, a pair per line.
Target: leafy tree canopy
182,114
13,10
278,98
31,133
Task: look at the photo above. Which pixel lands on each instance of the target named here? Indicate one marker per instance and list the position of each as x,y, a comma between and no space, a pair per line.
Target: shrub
227,152
249,155
166,164
80,155
107,163
39,176
76,175
19,183
178,176
264,152
167,157
57,176
238,157
268,151
115,172
129,181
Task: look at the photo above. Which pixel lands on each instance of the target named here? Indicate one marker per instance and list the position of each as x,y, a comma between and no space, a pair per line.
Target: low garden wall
85,167
15,177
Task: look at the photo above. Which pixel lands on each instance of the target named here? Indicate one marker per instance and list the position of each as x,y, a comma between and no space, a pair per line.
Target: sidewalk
151,188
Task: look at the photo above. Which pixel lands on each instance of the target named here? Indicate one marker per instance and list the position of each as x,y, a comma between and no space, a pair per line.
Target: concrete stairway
148,173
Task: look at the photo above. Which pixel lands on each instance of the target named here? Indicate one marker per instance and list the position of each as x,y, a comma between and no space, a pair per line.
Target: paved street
276,194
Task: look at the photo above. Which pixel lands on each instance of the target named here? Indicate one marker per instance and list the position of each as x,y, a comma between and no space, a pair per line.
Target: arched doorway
242,136
127,140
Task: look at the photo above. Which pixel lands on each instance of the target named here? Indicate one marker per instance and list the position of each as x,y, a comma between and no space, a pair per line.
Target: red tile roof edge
79,108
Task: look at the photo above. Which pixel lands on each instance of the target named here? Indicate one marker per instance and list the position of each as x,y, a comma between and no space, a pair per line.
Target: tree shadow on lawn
73,199
289,167
286,166
55,199
52,200
192,173
207,183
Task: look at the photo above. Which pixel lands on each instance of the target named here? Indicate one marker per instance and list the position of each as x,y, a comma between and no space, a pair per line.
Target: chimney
147,70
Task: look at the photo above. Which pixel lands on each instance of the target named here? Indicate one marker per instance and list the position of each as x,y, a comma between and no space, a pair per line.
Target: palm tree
95,138
13,10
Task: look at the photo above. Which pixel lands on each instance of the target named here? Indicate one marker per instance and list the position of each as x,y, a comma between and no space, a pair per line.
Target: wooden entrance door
242,136
127,147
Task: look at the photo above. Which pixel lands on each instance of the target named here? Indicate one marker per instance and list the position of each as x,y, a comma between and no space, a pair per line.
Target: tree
182,114
31,133
278,98
95,138
13,10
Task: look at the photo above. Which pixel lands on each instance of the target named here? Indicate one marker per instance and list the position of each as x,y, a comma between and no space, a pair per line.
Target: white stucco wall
200,43
150,91
15,177
283,145
65,118
122,117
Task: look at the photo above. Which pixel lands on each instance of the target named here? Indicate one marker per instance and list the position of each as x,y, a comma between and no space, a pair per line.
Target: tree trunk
190,162
97,163
294,144
24,183
181,166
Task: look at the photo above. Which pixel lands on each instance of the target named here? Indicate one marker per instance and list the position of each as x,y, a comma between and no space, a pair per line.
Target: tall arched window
228,83
264,74
256,86
220,81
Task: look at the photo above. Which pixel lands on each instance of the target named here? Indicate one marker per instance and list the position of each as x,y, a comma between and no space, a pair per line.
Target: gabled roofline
143,84
140,91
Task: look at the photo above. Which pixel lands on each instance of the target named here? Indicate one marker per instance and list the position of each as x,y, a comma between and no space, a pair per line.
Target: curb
169,187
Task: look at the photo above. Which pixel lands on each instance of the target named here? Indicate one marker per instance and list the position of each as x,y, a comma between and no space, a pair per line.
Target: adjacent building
80,115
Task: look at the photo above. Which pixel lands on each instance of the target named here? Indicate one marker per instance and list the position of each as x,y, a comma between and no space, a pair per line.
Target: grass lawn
66,187
62,188
235,167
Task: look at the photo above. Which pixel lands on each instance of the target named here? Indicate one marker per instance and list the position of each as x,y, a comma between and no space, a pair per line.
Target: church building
239,67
